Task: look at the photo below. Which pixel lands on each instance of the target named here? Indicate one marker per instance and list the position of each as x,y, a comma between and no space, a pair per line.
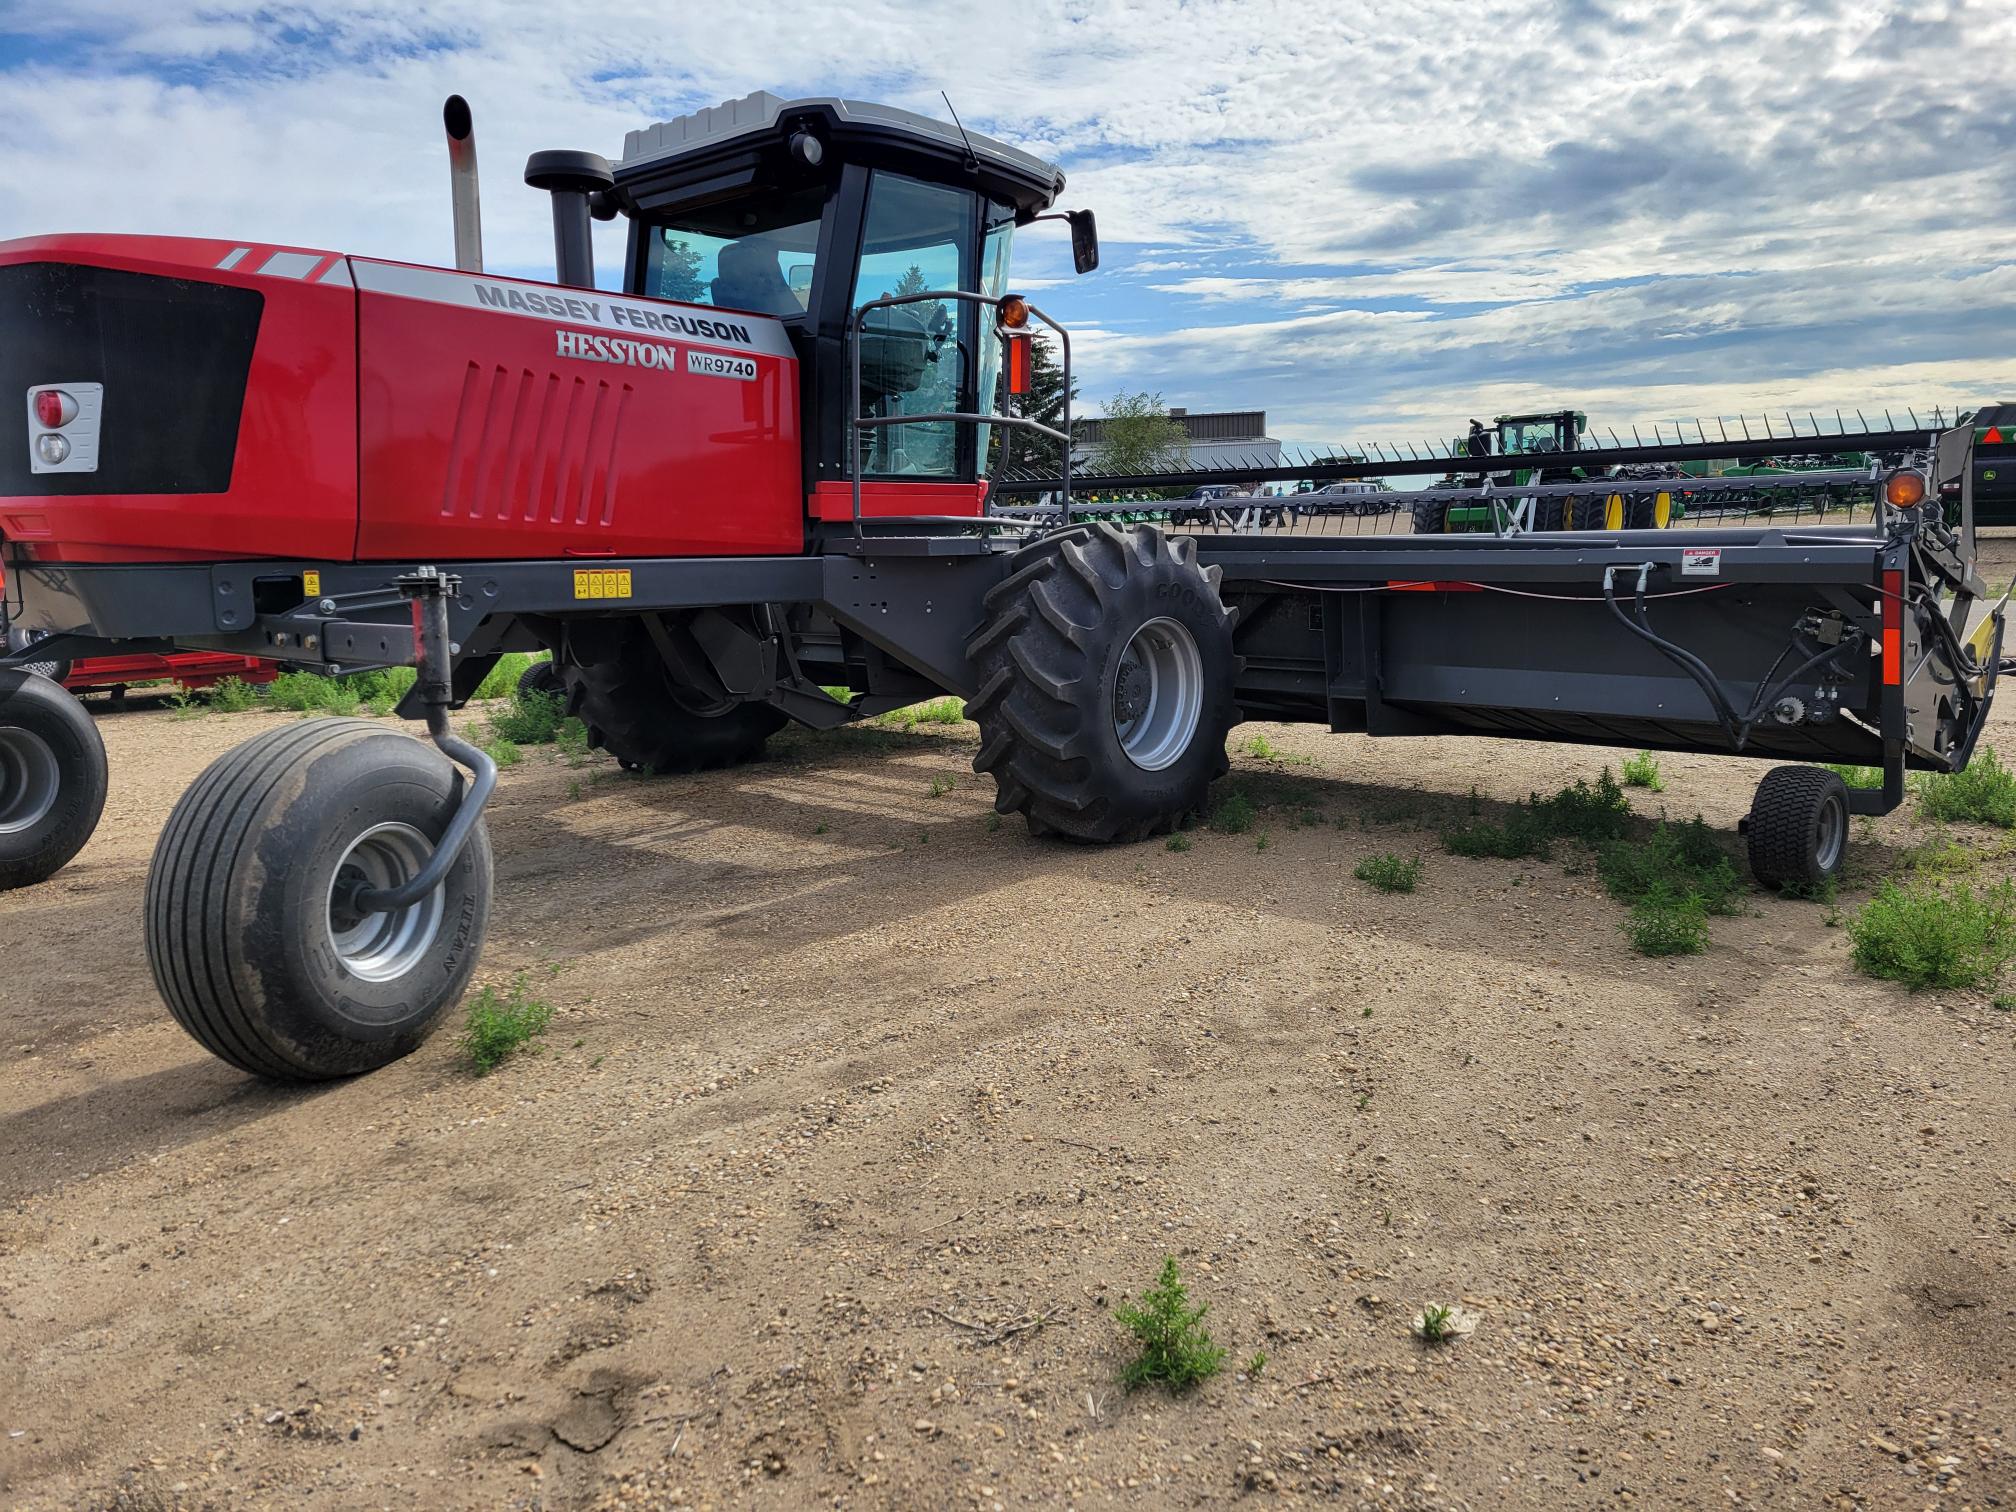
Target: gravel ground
860,1114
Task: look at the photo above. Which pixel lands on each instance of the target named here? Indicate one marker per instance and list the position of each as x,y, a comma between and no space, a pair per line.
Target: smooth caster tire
246,933
52,777
1106,676
1798,827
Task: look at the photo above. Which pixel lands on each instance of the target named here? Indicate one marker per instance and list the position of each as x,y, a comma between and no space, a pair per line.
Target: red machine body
392,412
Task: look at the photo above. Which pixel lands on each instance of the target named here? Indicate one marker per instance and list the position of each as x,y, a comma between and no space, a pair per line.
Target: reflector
54,408
1019,364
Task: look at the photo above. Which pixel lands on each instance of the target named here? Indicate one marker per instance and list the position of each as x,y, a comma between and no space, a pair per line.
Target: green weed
501,1024
1261,748
1985,793
1666,923
232,695
502,680
1262,843
1233,815
1929,934
1175,1348
504,752
942,785
1389,873
1178,842
1642,771
1436,1323
1257,1364
1856,776
936,711
993,823
1675,861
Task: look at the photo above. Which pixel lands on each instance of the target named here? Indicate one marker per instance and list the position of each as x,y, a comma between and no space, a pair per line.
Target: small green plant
1929,934
1642,771
1985,793
1513,840
1437,1323
1585,812
504,752
941,785
1856,776
574,788
1233,814
233,695
1178,842
993,823
1309,818
1666,923
1175,1348
1261,843
1260,748
1366,1011
2005,1003
1389,873
1364,1101
572,738
529,717
1257,1364
820,828
1674,861
500,1024
936,711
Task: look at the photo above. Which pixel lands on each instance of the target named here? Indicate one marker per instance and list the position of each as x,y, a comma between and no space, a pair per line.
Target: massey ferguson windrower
757,474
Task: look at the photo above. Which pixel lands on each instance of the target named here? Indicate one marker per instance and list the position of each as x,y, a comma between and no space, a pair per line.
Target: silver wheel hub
30,780
1833,834
381,947
1158,694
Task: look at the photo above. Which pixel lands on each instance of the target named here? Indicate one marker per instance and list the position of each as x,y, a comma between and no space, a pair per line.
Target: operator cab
805,210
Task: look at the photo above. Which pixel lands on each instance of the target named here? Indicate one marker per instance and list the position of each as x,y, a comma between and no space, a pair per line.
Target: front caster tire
636,712
52,777
1798,827
1106,682
250,944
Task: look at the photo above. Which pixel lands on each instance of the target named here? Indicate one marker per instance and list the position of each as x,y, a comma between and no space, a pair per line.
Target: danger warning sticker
1700,561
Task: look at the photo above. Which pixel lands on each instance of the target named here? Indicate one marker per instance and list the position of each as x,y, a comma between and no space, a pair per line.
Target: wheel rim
1158,694
30,780
380,947
1662,510
1830,834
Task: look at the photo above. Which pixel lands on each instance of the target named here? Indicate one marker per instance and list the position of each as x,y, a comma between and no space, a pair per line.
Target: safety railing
859,423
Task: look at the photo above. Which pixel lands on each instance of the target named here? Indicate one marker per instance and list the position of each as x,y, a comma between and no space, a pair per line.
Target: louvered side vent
534,447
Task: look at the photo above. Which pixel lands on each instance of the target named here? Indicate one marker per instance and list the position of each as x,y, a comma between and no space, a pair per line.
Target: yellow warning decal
602,583
311,584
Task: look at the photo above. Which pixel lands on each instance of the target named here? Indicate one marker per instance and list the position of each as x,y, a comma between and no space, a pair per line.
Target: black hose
1687,661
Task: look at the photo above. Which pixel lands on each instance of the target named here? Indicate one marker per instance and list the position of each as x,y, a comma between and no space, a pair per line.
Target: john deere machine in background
1994,467
1547,433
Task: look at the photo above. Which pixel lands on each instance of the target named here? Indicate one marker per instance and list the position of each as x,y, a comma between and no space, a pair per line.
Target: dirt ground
860,1115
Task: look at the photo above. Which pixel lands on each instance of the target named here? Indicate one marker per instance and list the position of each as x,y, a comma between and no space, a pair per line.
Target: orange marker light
1013,311
1904,489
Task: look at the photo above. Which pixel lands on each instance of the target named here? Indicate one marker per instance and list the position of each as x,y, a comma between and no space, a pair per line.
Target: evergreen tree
679,273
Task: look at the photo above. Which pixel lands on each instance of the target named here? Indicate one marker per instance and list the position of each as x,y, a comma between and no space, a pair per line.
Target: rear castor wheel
543,677
1106,675
249,929
636,712
1798,827
52,777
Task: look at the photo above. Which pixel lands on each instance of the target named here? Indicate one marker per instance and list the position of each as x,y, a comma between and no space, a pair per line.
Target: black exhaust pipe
573,179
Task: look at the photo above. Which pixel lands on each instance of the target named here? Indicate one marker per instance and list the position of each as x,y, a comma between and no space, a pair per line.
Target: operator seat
750,278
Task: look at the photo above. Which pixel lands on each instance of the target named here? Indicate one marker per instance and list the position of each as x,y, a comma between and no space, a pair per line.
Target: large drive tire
249,942
1649,511
1106,680
1798,827
1430,517
542,677
52,777
638,714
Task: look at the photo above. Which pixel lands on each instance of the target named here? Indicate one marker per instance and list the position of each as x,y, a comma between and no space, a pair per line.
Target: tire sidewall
319,1013
31,702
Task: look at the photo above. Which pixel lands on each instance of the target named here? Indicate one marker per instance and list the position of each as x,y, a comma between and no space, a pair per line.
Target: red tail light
1018,365
54,408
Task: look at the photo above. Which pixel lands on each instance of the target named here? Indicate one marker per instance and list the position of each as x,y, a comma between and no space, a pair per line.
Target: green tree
912,281
1044,403
1141,436
679,273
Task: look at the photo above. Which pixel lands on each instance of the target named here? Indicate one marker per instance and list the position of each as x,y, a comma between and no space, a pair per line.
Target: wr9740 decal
719,364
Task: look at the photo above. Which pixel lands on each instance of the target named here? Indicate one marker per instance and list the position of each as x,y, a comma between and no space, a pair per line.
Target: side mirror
1084,240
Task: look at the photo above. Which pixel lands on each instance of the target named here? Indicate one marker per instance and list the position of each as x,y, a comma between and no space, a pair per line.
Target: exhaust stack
462,192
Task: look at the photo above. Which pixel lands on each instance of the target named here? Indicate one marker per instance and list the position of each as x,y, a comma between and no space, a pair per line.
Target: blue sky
1371,219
